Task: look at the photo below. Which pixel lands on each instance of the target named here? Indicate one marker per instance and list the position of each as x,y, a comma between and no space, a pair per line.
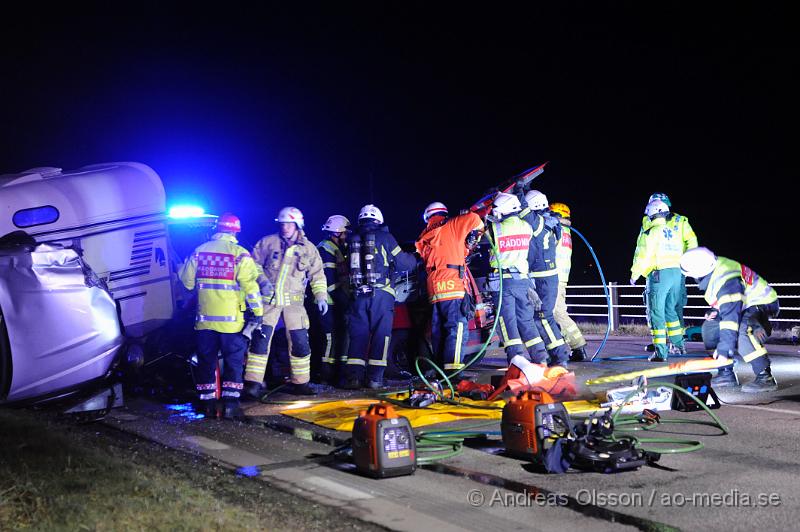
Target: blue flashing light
186,211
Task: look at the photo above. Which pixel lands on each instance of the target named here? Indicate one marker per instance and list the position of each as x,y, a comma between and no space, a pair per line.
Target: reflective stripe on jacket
732,289
564,254
443,249
286,269
661,244
755,290
335,267
512,237
225,277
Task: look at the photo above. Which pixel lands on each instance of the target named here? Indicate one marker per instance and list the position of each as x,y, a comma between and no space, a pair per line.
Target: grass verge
55,475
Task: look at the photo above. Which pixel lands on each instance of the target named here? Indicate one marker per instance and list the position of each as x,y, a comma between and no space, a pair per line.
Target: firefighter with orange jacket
443,246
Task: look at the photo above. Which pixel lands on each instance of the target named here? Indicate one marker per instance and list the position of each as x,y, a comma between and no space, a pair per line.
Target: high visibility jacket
661,245
564,254
225,276
513,237
732,288
389,258
286,269
443,248
542,251
335,267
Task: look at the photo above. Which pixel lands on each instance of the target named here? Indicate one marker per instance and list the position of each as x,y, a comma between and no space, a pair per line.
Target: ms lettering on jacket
513,242
215,265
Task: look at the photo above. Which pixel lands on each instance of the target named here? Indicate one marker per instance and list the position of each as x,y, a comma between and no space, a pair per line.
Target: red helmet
229,222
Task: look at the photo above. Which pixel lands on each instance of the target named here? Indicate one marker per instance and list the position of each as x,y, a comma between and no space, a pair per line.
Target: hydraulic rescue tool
383,443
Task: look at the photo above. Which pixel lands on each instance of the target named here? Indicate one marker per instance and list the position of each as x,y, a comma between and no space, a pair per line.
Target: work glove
633,281
760,334
550,221
536,301
322,305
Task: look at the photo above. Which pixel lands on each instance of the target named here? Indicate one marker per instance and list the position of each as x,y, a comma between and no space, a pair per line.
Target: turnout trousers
370,327
517,330
449,332
296,321
547,290
233,347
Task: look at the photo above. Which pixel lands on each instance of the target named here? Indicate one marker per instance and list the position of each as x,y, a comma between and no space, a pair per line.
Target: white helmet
505,204
698,262
370,212
536,200
291,214
656,207
336,224
434,209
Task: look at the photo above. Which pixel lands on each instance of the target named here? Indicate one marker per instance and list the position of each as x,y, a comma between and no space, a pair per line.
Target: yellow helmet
560,209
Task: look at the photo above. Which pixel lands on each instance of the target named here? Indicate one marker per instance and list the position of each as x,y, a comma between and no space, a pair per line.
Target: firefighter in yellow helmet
224,275
288,261
572,334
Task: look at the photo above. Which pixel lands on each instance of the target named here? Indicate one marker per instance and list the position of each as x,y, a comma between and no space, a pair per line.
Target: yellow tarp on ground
340,415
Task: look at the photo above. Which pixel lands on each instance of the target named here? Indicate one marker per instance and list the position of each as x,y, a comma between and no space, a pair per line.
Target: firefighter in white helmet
512,236
544,272
288,261
444,246
374,256
333,324
224,275
745,302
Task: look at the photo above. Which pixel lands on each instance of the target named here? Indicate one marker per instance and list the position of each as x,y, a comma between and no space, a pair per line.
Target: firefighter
512,237
443,246
745,302
680,225
225,277
544,273
288,261
333,324
657,258
374,257
569,329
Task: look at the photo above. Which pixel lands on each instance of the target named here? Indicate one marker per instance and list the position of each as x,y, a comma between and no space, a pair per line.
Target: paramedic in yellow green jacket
288,261
657,258
689,242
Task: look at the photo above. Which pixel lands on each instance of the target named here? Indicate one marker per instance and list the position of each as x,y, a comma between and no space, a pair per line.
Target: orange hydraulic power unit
531,422
383,443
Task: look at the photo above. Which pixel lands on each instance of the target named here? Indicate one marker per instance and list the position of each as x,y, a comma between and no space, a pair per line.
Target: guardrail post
613,314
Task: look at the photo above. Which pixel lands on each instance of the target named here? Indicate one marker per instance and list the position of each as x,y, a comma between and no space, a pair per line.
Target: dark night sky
329,106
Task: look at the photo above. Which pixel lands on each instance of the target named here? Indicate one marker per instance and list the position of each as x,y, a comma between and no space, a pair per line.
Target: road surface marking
207,443
339,491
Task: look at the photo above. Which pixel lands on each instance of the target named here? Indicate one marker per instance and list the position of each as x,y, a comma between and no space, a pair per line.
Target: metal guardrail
627,303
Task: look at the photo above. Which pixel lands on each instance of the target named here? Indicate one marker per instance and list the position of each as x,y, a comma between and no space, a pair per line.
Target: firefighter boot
232,411
300,389
764,382
207,407
253,391
656,357
579,354
725,377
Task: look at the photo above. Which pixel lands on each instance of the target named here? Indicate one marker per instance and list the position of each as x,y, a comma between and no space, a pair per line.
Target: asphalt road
749,478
